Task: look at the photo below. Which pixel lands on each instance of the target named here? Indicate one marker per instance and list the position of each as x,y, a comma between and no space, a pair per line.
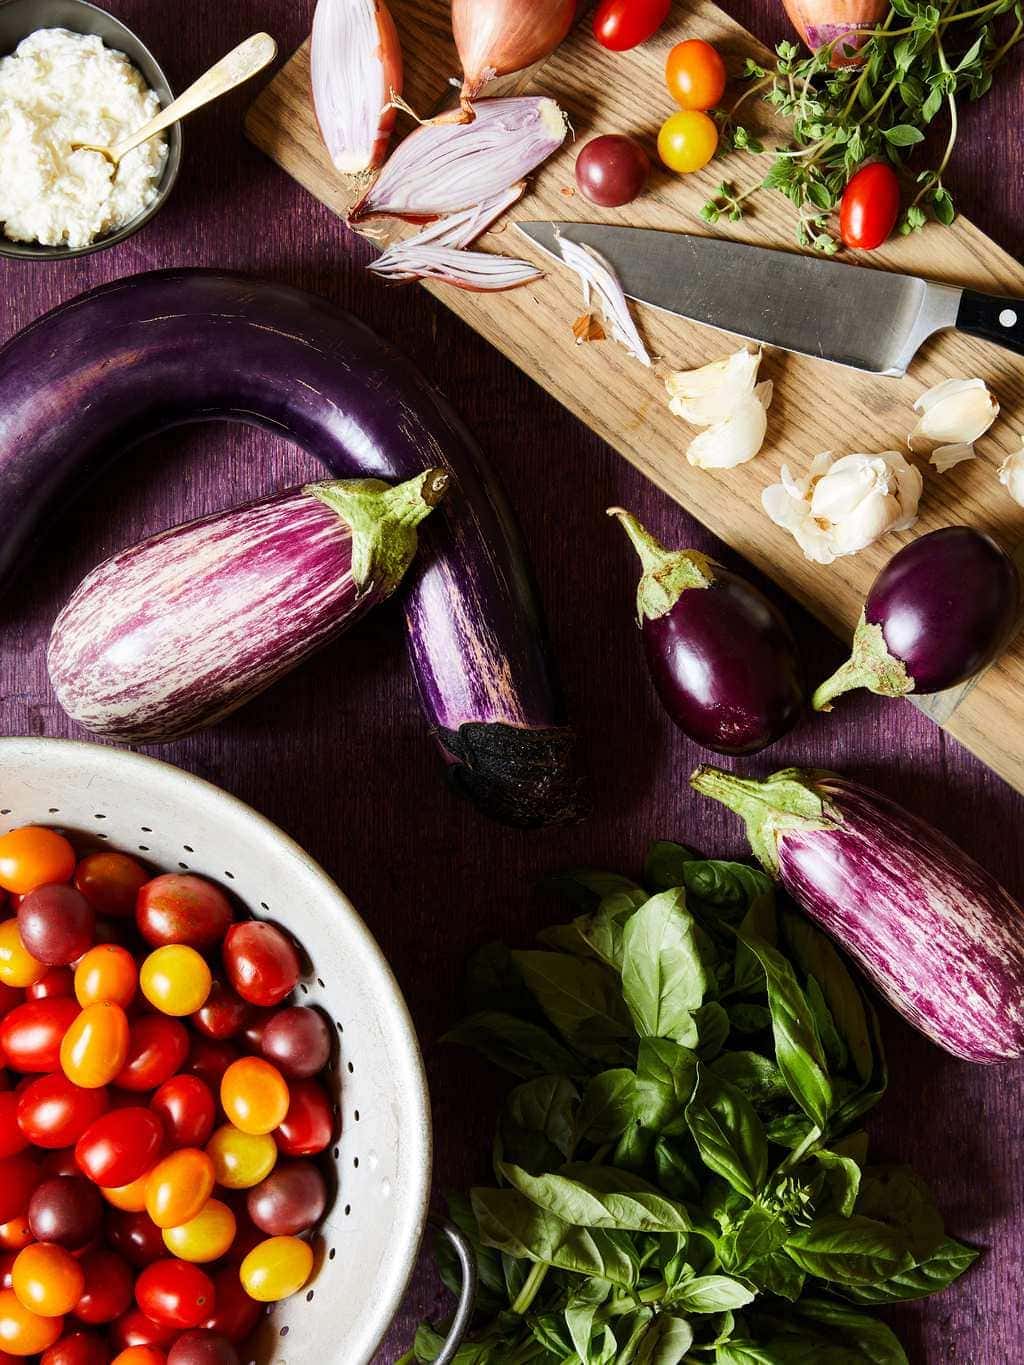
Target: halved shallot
595,273
447,167
355,70
479,270
497,37
456,231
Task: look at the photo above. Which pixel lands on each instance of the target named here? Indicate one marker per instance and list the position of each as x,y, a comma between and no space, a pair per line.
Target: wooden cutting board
817,406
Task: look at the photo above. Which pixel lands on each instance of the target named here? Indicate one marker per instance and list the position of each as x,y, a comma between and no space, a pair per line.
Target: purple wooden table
338,756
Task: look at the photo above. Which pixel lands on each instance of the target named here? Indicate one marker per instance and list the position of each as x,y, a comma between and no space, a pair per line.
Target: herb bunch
681,1174
917,67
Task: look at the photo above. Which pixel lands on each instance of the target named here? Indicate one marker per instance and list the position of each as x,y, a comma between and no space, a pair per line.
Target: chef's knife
870,319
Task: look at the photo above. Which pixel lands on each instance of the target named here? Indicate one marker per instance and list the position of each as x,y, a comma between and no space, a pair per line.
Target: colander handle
467,1294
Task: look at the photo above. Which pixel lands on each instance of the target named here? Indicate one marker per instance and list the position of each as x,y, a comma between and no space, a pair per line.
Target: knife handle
993,319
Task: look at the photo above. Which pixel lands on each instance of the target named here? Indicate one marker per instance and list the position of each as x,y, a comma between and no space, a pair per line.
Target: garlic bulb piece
736,438
845,504
948,456
953,414
711,393
1011,475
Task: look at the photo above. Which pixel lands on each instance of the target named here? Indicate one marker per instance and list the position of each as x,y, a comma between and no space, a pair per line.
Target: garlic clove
955,412
1011,475
710,393
734,440
945,457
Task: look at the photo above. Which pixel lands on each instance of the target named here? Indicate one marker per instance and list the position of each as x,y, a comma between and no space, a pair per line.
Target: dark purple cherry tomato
67,1210
202,1348
869,207
297,1040
612,170
289,1201
56,924
181,908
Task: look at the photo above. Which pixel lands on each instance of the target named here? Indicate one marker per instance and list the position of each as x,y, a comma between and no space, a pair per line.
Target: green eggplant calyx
787,800
870,665
667,573
382,518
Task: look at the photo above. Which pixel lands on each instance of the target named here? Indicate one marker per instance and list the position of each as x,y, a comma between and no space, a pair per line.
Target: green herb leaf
663,977
856,1251
665,1342
517,1045
538,1123
581,999
675,1174
665,1077
609,1103
871,1339
935,1272
665,863
511,1223
710,1294
756,1076
896,1195
842,1181
626,1210
602,930
728,1133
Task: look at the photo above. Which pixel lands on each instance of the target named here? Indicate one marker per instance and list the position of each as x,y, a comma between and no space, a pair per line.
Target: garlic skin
1011,475
845,504
725,397
953,415
947,456
738,437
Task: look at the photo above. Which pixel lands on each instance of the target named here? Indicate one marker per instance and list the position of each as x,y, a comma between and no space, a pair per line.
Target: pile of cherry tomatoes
159,1107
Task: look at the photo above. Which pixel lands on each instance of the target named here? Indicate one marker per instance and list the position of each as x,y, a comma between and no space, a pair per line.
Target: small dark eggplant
940,611
722,658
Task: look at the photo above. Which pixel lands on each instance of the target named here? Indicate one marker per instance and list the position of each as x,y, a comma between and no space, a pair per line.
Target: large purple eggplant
180,630
941,610
722,658
102,372
942,940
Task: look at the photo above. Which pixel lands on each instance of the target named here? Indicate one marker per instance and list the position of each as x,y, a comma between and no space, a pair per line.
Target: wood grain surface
338,756
625,404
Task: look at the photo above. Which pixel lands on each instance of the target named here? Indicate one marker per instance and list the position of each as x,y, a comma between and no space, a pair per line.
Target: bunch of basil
680,1173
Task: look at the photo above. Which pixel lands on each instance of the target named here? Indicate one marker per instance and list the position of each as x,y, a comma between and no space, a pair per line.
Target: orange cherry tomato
110,882
22,1332
33,856
140,1355
179,1186
254,1095
93,1050
241,1160
17,965
695,75
16,1234
276,1269
174,979
106,974
131,1197
47,1279
206,1237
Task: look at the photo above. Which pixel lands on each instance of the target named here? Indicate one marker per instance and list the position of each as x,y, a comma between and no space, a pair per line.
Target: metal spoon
239,65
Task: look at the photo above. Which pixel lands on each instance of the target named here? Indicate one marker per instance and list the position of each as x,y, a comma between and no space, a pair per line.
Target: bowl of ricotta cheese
69,74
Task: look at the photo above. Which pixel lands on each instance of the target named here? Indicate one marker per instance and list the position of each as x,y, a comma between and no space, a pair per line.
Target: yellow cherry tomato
175,980
131,1198
254,1095
241,1160
22,1332
179,1186
687,141
18,967
205,1237
47,1279
106,973
276,1269
94,1048
34,856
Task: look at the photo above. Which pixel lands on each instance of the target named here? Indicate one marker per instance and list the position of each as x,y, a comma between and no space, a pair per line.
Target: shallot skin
355,124
497,37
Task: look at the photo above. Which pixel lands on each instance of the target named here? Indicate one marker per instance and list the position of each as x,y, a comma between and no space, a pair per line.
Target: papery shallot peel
355,72
497,37
941,939
140,355
445,168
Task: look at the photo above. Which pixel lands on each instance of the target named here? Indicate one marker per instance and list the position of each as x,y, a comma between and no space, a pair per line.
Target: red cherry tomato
135,1329
869,207
7,1259
622,24
58,983
54,1113
181,908
32,856
308,1126
108,1288
77,1348
110,882
157,1048
695,75
223,1015
94,1049
12,1139
19,1175
187,1108
261,962
209,1060
135,1237
176,1293
10,996
120,1146
31,1034
62,1160
235,1315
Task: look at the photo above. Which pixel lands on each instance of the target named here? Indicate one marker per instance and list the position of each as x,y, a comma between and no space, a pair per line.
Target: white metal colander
369,1240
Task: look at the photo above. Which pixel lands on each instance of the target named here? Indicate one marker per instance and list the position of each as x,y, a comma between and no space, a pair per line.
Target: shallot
403,260
356,71
595,273
497,37
476,270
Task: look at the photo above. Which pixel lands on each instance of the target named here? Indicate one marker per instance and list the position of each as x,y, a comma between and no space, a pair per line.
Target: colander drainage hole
143,848
99,815
230,875
264,906
331,1254
355,1162
348,1209
356,1115
54,810
6,810
336,1152
320,982
284,1331
146,829
183,866
101,835
188,848
303,988
341,1026
351,1069
309,1296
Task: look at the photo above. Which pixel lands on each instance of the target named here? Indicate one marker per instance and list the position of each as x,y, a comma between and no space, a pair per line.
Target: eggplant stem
870,665
667,573
787,800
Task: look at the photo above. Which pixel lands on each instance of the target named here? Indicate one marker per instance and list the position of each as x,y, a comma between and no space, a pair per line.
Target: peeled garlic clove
709,394
1011,475
736,439
956,412
947,456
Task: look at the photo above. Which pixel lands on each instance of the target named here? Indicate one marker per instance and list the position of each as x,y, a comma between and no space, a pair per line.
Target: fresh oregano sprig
916,67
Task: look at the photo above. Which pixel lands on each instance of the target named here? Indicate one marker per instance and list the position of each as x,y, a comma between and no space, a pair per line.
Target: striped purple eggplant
180,630
942,940
109,368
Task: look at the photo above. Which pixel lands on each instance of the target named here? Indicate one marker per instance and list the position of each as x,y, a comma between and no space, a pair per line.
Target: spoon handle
239,65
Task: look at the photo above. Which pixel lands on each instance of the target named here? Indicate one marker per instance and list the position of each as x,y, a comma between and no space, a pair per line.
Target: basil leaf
872,1339
726,890
609,1102
896,1195
836,1053
517,1045
818,958
429,1344
946,1263
758,1077
602,930
625,1210
777,1352
587,887
855,1250
581,999
712,1030
665,1077
665,1342
665,863
710,1294
789,1130
798,1048
842,1181
630,1331
566,938
757,1233
749,1018
776,1274
728,1133
663,977
634,1147
580,1311
511,1223
491,1282
549,1331
538,1122
494,982
675,1175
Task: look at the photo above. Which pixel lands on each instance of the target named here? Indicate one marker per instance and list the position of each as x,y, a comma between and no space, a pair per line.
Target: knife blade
851,315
